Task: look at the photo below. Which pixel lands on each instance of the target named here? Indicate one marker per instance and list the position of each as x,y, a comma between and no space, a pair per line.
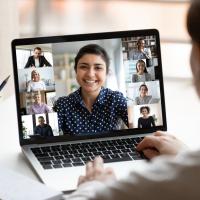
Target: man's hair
140,39
193,21
41,117
37,48
92,49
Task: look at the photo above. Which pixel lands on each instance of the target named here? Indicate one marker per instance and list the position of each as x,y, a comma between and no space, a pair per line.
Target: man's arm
166,178
29,62
45,62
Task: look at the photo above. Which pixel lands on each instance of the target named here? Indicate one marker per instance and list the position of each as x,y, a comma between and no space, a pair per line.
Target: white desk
183,110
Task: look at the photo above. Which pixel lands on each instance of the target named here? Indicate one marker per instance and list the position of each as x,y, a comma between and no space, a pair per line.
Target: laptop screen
105,84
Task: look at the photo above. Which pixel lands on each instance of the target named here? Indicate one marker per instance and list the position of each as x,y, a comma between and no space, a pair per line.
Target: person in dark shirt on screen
43,129
145,121
37,60
92,109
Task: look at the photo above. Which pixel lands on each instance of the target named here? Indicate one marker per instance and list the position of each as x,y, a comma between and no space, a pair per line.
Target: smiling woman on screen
92,108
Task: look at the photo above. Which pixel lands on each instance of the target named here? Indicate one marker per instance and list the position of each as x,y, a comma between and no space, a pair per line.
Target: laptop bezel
87,37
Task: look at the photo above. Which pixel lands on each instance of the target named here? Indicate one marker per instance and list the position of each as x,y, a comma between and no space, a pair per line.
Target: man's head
41,120
37,52
37,98
193,26
141,43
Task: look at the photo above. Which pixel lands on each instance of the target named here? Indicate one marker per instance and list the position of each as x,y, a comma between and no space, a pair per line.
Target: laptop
51,140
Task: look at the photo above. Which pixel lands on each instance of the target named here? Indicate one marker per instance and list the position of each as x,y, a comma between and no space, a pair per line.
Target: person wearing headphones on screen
173,177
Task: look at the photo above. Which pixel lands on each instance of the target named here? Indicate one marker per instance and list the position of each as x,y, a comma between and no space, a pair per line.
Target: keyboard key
125,150
67,160
46,163
117,159
86,159
76,160
58,157
56,162
67,165
47,166
116,151
114,156
45,159
78,164
106,157
57,166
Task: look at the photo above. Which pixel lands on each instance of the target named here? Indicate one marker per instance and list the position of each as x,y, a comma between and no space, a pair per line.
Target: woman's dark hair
193,21
143,85
145,107
93,49
141,62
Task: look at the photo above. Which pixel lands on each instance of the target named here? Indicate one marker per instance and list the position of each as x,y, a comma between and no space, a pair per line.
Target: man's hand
95,171
160,144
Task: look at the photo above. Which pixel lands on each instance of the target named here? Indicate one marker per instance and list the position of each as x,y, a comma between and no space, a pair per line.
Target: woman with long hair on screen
142,75
92,109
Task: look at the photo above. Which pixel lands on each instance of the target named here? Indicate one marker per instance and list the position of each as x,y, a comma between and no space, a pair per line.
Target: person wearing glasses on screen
35,84
38,107
142,75
37,59
140,52
92,108
169,174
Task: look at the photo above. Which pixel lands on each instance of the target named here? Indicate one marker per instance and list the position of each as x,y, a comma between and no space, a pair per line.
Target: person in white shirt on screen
171,177
140,52
35,84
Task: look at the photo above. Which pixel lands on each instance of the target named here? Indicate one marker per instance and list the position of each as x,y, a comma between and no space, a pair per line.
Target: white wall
9,29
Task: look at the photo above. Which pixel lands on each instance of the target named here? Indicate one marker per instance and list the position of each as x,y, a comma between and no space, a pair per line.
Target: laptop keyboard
70,155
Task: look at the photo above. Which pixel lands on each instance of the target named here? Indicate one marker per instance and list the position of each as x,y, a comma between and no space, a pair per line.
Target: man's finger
148,142
98,165
89,169
159,133
150,153
98,162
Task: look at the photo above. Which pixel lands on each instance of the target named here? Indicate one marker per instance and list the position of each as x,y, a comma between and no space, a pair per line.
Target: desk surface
182,107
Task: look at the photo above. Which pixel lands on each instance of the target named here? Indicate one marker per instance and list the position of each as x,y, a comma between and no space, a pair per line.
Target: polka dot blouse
109,110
